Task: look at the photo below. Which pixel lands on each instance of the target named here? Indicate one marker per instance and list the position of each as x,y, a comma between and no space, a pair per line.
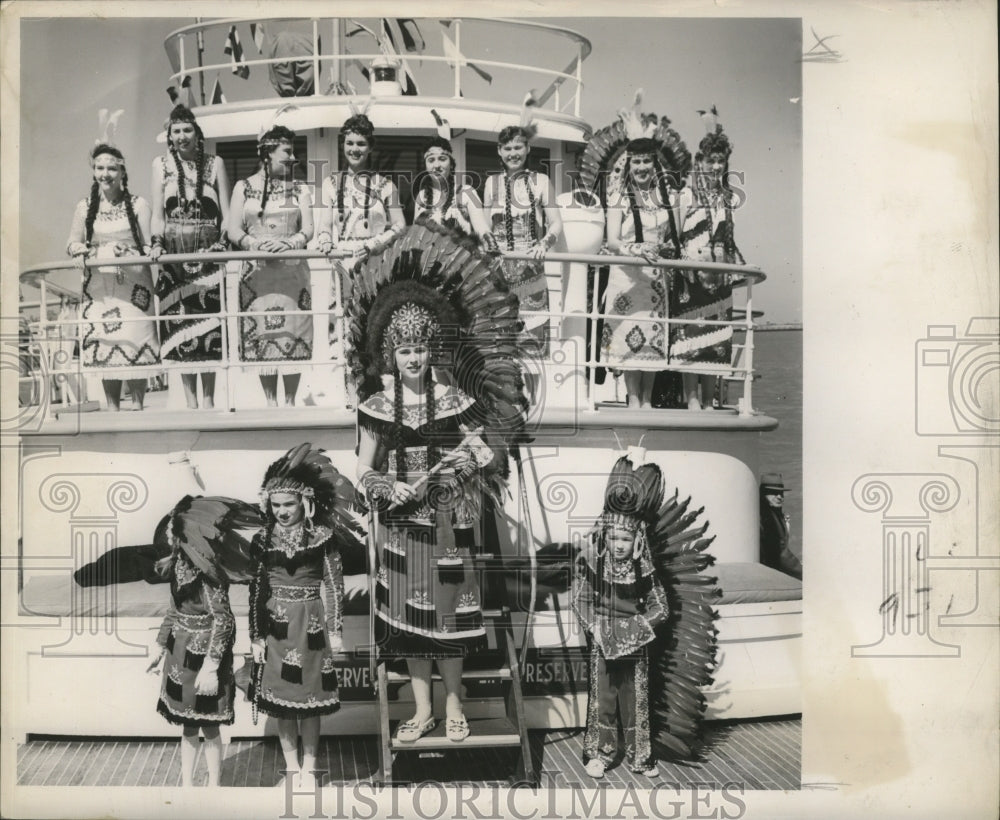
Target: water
778,393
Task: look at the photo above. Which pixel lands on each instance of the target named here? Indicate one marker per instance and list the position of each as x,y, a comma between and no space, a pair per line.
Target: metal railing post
747,408
579,80
458,61
315,31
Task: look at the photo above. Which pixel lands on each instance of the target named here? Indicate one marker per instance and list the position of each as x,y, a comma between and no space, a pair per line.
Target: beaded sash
290,593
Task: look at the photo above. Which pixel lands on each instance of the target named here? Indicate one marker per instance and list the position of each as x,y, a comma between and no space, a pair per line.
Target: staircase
510,730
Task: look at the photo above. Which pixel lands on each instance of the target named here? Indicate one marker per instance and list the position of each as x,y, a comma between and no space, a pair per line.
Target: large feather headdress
326,493
215,534
682,656
602,162
478,336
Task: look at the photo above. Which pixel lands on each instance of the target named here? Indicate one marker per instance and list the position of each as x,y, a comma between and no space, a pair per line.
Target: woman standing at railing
707,204
642,222
443,199
525,217
635,165
361,211
272,212
114,222
190,205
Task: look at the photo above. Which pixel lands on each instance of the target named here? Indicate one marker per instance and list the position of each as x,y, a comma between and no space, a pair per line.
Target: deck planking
762,754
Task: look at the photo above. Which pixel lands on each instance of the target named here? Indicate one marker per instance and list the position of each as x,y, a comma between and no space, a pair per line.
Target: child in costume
620,602
196,637
648,616
294,634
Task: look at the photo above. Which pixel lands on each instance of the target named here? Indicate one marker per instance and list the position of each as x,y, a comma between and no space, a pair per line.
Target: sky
748,68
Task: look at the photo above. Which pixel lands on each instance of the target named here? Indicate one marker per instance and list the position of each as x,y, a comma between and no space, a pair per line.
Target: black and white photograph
574,412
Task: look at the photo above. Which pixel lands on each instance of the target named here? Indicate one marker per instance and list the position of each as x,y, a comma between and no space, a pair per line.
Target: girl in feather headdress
620,602
648,612
294,633
196,636
636,166
423,456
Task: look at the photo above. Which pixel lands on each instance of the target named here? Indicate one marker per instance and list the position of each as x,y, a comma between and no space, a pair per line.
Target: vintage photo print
562,410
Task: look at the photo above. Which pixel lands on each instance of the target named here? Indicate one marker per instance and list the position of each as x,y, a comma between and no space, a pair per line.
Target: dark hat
772,482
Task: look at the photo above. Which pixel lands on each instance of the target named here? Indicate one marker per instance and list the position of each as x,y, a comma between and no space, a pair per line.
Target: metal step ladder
508,731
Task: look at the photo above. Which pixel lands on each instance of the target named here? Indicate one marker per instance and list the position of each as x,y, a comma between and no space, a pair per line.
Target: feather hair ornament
363,111
273,121
107,126
527,121
443,126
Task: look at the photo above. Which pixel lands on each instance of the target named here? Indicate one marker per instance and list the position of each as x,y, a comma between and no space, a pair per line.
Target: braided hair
362,126
182,113
397,416
661,186
508,216
512,132
95,197
426,178
267,143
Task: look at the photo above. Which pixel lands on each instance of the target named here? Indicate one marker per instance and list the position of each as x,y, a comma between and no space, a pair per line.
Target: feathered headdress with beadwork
682,651
327,494
215,534
437,284
632,496
602,163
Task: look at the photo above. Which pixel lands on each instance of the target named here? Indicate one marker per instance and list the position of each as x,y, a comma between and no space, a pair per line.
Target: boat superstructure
92,482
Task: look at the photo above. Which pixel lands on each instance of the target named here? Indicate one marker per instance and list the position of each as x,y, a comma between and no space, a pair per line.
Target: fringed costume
193,222
289,612
634,596
209,551
275,285
431,288
708,205
649,227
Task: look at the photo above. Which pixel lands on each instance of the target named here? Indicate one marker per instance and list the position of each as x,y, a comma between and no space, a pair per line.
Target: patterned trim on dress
190,717
295,593
429,633
450,402
193,623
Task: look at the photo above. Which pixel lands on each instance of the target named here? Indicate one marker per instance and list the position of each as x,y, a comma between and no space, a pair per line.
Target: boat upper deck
410,66
54,383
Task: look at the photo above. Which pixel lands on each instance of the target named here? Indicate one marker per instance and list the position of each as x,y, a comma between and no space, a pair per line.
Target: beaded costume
188,289
297,587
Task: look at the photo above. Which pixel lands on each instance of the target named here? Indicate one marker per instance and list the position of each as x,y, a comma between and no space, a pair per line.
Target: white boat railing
46,352
186,50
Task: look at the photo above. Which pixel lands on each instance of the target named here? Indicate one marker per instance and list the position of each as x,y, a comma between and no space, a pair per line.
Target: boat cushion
58,594
753,583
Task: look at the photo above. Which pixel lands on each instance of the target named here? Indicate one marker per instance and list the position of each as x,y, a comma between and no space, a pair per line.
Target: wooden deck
762,754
